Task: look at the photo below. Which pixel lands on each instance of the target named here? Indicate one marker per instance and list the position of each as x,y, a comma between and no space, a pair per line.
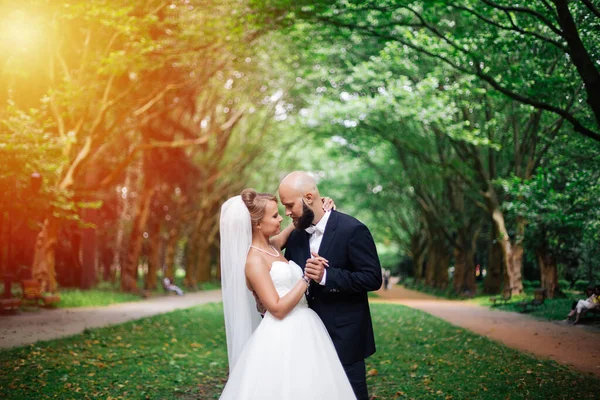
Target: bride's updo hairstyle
256,203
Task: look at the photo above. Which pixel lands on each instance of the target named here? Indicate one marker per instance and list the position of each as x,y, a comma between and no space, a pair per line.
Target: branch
579,127
525,10
592,7
81,156
152,145
440,35
158,97
514,28
84,53
548,7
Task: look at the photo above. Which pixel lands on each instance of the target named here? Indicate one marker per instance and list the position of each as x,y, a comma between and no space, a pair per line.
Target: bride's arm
280,240
260,280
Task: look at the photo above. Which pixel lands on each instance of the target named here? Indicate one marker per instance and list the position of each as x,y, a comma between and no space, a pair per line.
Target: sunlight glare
20,32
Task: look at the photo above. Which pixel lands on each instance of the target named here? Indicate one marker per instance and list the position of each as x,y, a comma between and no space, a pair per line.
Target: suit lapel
329,234
304,253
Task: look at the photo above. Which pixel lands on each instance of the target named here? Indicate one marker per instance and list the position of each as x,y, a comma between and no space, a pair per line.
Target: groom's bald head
299,183
297,191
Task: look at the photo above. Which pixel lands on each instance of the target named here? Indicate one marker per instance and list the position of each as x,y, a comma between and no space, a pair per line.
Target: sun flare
20,32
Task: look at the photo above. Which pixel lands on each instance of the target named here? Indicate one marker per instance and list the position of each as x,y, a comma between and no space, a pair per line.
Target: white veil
239,306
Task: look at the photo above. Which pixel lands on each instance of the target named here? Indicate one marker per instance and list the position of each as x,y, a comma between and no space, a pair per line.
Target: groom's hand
260,307
315,267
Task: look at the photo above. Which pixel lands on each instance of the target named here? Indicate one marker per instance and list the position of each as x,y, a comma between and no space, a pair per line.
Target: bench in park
32,291
539,296
10,304
591,312
505,298
7,301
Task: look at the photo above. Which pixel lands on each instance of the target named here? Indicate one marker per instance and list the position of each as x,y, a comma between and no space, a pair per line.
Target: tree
493,41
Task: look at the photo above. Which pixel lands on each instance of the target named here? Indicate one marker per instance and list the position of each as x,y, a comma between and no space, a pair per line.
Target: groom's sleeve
366,273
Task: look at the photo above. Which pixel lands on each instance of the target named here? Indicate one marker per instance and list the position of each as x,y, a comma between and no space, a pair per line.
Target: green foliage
531,284
582,286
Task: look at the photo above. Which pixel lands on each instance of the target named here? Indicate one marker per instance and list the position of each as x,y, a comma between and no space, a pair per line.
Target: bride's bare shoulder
255,261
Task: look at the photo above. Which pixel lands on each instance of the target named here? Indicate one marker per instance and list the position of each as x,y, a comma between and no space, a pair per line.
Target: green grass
93,297
182,355
105,293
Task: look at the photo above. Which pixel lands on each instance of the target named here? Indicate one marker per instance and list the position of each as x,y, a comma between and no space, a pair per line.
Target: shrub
581,285
564,284
531,284
408,282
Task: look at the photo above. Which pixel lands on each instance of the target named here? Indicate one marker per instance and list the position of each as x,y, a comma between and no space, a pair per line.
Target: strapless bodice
285,275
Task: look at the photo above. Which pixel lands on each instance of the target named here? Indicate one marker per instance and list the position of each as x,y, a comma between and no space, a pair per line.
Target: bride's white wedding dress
289,359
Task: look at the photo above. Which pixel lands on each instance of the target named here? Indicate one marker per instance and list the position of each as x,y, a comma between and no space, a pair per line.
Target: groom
338,292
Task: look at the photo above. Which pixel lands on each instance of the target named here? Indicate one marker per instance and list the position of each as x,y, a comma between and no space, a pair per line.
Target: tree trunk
441,270
44,258
2,241
470,285
203,261
106,261
125,201
512,254
582,60
494,275
464,269
134,248
170,254
155,241
190,263
89,251
549,271
432,260
458,278
418,250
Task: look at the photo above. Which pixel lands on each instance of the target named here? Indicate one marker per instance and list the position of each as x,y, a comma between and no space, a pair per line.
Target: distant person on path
169,287
386,278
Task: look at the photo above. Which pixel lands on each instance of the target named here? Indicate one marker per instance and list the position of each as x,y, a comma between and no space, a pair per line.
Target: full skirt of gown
289,359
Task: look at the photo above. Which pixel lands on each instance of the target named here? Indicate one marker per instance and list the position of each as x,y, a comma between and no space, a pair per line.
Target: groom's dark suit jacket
354,270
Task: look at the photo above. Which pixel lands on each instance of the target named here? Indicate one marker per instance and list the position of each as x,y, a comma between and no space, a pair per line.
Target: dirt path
30,327
575,346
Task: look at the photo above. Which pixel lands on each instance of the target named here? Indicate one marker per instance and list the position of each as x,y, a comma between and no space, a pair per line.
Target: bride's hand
328,204
315,267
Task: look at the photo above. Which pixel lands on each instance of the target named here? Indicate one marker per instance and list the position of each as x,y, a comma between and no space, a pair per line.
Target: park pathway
30,327
575,346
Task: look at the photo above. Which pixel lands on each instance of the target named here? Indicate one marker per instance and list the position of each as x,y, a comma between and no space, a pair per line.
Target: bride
288,355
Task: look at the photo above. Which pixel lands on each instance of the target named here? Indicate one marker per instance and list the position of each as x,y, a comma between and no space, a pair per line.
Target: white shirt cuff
322,283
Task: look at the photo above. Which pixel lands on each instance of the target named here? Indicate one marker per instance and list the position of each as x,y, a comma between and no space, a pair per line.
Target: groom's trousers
357,375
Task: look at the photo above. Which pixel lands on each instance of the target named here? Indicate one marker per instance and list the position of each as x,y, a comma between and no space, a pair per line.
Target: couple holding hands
316,331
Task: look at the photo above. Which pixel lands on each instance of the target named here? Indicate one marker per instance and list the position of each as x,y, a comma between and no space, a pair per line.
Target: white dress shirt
316,237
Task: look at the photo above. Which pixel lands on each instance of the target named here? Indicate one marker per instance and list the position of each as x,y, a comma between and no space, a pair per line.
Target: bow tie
313,228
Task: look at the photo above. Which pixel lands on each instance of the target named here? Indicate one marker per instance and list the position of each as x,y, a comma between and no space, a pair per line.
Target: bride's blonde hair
256,203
